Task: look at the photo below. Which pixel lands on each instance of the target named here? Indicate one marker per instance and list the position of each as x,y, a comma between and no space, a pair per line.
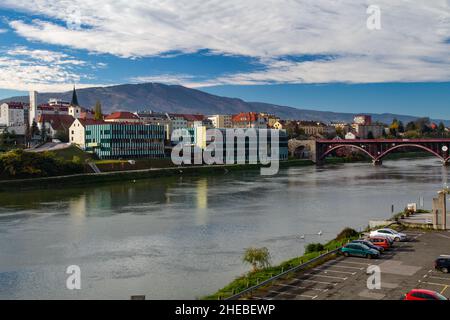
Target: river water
183,237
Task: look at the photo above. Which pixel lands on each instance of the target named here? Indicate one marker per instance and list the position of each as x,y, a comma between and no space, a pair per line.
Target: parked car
359,250
422,294
369,244
443,263
381,242
390,233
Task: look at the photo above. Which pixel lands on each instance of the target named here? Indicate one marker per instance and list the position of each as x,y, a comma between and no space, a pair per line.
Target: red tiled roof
16,105
245,117
57,121
53,108
190,117
87,122
122,115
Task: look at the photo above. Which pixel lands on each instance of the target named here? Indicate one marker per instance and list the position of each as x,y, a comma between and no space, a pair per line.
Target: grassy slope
253,278
70,152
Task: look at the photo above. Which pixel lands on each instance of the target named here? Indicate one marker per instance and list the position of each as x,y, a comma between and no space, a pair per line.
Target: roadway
50,146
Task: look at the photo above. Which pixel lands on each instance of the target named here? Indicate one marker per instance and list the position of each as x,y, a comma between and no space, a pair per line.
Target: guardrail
278,276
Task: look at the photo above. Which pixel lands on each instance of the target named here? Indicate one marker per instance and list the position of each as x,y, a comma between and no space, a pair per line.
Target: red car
422,294
381,242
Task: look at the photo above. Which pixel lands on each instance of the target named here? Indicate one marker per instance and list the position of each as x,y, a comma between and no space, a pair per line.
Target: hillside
179,99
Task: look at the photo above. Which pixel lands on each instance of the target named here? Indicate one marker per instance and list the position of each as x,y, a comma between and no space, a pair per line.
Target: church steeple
74,101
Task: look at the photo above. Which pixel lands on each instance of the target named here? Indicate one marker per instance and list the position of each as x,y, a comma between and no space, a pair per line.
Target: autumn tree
258,258
98,115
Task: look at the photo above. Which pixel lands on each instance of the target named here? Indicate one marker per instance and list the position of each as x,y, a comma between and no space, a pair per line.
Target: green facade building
125,140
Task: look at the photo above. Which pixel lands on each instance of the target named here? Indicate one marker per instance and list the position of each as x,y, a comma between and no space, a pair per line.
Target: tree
401,127
423,125
98,115
340,132
441,127
34,129
394,127
7,139
43,132
62,135
370,135
258,258
293,130
411,126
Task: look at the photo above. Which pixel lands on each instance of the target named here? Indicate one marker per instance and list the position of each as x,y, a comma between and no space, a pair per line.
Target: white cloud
181,79
43,70
3,31
411,46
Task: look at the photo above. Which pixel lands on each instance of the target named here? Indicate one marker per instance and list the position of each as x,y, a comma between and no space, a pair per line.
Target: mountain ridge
178,99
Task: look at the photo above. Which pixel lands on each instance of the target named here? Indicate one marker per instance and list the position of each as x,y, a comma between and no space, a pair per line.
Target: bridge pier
377,162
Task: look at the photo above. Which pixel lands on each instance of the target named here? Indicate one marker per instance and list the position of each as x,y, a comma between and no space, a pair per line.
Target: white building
351,136
58,102
177,122
75,111
12,113
160,119
221,121
77,131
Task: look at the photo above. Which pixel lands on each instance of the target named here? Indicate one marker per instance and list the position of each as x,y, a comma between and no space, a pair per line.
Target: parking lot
407,265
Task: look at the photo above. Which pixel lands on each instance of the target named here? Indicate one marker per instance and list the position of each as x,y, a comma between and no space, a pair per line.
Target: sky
308,54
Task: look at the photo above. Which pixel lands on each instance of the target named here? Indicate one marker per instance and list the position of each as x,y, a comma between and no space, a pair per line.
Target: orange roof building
122,116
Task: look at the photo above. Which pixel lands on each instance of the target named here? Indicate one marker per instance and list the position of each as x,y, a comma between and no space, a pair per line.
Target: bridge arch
340,146
385,153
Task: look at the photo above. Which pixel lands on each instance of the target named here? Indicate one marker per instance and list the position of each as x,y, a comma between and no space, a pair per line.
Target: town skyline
416,98
303,62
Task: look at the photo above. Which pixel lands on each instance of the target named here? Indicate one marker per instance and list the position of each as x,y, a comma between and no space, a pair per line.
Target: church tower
74,101
74,108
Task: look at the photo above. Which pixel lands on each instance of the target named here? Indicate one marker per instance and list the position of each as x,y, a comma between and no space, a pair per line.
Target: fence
294,269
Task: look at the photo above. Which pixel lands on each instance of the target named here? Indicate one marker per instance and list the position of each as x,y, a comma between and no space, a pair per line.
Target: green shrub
347,233
20,164
314,247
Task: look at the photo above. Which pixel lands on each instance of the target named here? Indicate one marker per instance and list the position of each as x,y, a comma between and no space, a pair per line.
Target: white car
389,233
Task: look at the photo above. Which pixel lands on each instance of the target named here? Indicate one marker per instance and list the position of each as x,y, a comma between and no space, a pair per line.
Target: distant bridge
377,149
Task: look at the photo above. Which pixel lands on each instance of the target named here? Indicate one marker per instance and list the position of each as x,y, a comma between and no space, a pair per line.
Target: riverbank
131,175
105,177
254,278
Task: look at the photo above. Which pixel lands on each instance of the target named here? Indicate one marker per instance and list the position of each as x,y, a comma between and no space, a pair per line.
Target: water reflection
183,237
201,217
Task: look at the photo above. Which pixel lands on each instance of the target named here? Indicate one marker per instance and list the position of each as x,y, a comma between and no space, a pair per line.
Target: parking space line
292,294
313,289
319,275
315,281
346,267
352,262
280,292
443,290
439,278
325,270
433,283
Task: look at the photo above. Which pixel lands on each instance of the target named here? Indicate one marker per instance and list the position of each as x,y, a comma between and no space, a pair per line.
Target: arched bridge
377,149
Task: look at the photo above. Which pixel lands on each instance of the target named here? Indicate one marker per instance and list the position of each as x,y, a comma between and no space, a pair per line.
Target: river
183,237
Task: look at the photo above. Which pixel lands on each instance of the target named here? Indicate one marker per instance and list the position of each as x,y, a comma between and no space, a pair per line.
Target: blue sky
314,55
